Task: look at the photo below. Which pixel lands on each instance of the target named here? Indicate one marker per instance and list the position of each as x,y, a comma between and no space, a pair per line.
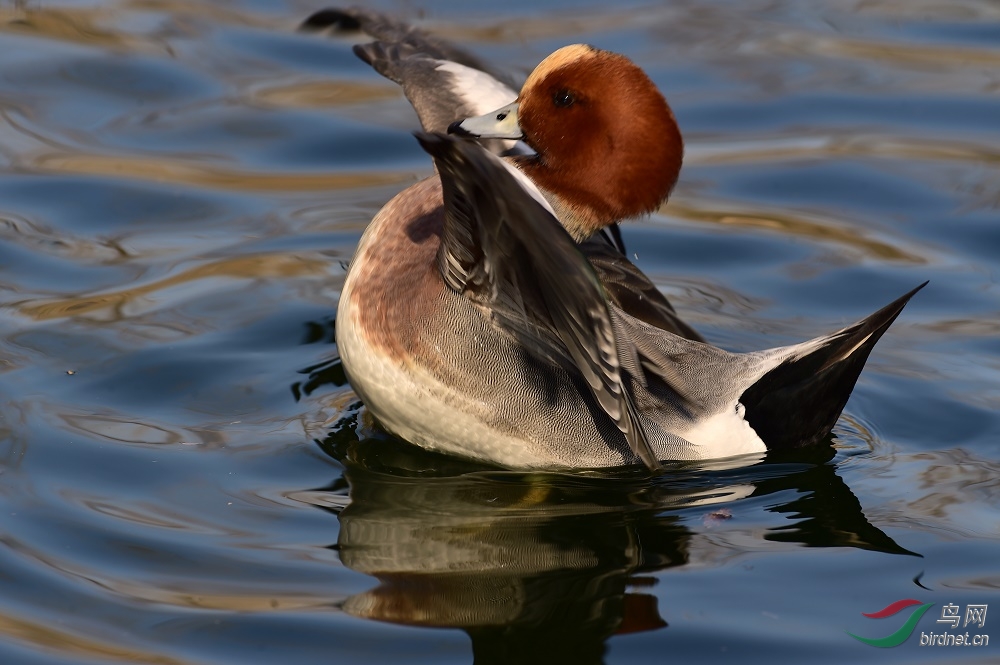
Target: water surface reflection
543,566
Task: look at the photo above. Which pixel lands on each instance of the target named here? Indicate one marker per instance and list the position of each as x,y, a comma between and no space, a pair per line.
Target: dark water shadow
546,567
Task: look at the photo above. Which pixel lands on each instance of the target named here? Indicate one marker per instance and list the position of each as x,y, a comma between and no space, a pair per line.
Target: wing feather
502,249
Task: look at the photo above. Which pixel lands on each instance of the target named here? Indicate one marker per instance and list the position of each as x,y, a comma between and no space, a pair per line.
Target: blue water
186,478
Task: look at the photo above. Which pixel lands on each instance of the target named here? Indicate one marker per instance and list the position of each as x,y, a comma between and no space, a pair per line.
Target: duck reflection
543,566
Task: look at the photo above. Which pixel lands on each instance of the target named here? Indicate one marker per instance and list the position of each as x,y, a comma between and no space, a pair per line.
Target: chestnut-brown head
606,142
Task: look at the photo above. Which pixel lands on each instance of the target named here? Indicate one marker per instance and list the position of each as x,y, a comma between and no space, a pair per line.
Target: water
186,477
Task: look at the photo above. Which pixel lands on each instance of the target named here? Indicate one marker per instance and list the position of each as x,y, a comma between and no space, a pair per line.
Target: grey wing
441,91
629,289
504,251
392,31
443,82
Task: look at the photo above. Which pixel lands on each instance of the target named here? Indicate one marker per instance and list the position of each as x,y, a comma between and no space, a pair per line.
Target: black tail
798,402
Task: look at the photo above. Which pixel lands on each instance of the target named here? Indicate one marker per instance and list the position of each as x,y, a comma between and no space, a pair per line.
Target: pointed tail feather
798,402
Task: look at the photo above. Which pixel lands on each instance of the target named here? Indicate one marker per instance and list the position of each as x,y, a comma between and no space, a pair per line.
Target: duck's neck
578,222
586,201
581,214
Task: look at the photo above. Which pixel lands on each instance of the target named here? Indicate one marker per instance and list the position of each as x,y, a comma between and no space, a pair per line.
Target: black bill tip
457,129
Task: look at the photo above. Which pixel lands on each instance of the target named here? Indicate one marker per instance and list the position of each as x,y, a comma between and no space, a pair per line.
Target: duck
475,322
445,84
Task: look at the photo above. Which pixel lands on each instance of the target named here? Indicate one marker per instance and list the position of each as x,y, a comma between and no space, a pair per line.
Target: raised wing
443,82
502,249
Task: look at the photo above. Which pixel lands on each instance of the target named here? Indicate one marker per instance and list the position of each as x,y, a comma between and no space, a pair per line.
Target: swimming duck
445,84
473,322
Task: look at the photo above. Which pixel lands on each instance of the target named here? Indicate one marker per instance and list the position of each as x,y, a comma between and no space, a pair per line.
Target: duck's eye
563,98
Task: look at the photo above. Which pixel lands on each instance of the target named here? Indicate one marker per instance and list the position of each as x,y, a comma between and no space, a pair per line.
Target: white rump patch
723,435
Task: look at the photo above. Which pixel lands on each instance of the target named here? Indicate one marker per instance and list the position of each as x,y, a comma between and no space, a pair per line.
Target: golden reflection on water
45,240
130,430
985,327
150,514
239,267
93,26
175,171
48,639
322,94
80,25
544,26
853,144
233,601
786,223
122,430
914,56
958,470
970,10
951,492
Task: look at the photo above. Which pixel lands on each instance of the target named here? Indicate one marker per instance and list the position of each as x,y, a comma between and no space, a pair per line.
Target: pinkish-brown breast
396,286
